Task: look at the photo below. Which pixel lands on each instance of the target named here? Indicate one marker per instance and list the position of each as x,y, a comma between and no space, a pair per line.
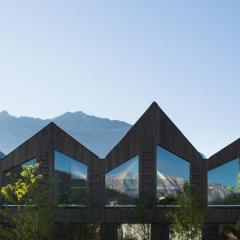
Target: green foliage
231,189
188,218
21,190
237,188
238,182
33,213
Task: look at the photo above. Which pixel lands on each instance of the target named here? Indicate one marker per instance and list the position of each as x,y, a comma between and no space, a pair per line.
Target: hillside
100,135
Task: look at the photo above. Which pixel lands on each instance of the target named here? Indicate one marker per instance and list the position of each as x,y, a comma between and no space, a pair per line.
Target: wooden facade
152,129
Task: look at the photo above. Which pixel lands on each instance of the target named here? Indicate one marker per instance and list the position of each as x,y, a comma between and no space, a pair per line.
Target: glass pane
172,172
15,172
122,183
71,180
11,176
224,184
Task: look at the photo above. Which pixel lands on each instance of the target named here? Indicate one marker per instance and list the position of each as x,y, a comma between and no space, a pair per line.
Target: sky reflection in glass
172,171
224,184
63,163
122,183
71,180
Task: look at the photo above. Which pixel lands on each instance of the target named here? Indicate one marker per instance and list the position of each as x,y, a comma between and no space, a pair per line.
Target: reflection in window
172,172
122,183
224,184
71,180
14,173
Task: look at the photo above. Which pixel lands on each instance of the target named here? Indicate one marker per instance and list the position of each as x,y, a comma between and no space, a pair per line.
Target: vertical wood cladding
67,145
147,177
160,232
109,232
227,214
230,152
43,159
152,129
211,232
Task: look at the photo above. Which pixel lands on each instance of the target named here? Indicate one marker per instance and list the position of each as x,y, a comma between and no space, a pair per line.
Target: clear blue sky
113,58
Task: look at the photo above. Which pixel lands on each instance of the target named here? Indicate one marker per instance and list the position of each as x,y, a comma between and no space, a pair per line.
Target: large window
224,184
122,183
14,173
172,172
70,180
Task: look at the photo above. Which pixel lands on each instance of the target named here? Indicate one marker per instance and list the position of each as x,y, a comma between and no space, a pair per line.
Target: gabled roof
48,139
227,154
1,155
153,125
153,128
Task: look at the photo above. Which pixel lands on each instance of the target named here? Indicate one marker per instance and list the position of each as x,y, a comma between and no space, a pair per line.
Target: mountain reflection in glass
224,184
172,172
70,180
122,183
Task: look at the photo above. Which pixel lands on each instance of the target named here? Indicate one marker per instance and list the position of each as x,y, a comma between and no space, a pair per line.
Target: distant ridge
100,135
1,155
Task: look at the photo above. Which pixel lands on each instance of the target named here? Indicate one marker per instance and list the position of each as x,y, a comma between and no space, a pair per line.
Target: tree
32,216
188,218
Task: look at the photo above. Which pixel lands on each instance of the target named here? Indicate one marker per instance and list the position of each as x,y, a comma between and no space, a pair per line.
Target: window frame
105,187
71,205
221,205
189,175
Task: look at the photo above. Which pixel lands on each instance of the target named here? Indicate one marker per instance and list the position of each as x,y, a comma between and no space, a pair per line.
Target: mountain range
1,155
99,135
125,182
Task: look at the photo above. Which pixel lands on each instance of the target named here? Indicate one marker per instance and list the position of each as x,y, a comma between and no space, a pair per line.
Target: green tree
238,182
188,218
32,216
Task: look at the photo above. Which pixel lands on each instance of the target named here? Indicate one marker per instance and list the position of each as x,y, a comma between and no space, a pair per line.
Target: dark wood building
152,159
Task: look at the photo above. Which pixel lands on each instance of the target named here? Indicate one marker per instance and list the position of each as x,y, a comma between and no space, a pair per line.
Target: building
154,157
